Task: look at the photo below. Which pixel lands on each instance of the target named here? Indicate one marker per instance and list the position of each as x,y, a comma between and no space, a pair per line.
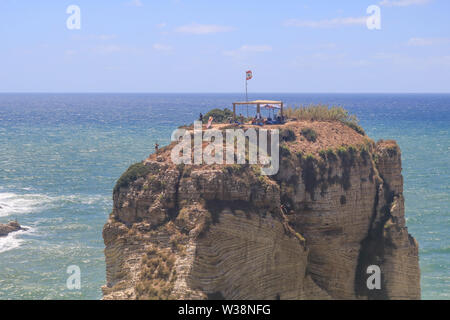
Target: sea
61,154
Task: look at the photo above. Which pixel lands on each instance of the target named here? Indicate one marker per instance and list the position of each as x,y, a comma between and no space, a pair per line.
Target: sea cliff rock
11,226
335,208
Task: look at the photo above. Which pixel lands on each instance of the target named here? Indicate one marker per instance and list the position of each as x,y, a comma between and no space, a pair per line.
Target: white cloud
135,3
326,46
441,61
70,52
102,37
328,23
422,42
114,48
107,49
162,47
246,49
320,59
196,28
161,25
416,62
106,36
402,3
329,45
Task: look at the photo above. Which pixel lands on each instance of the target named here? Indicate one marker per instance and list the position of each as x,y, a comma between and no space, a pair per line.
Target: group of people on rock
259,120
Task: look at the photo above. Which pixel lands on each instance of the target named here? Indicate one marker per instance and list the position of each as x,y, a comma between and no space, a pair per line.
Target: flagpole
246,92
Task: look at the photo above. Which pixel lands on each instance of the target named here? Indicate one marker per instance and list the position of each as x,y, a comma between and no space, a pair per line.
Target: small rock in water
11,226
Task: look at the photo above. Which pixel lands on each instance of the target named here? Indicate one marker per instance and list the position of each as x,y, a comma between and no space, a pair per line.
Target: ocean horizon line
231,93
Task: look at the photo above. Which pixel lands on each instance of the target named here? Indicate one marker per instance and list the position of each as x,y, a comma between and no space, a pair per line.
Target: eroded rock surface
310,232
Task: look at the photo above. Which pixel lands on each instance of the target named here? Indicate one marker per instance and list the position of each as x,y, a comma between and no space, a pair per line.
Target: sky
207,45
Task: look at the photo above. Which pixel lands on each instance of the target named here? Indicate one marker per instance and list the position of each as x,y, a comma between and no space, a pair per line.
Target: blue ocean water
62,153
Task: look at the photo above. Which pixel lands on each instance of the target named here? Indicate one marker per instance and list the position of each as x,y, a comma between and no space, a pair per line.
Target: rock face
11,226
227,232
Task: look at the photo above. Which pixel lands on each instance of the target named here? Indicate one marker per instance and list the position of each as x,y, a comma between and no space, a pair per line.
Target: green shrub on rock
287,134
309,134
134,172
219,115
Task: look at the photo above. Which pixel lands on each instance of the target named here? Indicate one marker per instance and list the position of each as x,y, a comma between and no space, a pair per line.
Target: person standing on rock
210,120
156,147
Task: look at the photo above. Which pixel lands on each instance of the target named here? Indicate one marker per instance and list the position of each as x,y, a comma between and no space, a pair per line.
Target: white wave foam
13,240
12,203
83,199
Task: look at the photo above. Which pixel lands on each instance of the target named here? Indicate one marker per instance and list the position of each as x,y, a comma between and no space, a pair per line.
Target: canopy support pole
246,94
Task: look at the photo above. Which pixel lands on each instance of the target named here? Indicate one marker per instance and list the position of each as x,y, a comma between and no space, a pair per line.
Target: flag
249,75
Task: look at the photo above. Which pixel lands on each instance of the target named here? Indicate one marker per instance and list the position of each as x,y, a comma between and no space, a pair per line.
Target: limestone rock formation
227,232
